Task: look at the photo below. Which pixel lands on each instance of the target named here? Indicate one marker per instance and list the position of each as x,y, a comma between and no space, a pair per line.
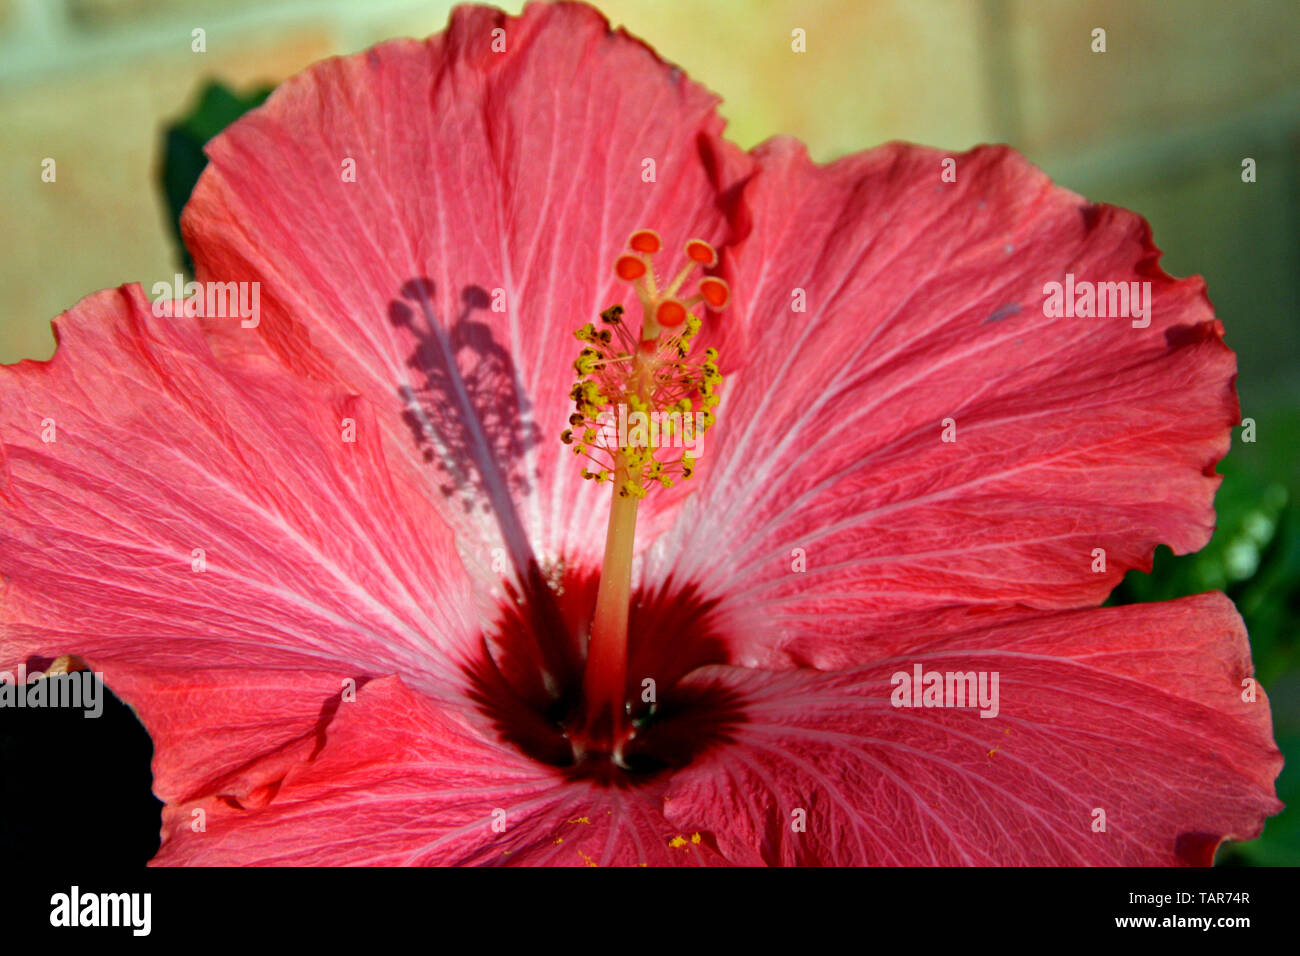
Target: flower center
642,406
673,712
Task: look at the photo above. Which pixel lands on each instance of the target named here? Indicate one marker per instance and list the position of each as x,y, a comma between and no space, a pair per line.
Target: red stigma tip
715,292
700,251
629,268
646,241
670,313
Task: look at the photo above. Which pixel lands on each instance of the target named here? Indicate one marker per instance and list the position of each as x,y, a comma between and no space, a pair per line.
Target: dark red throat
529,680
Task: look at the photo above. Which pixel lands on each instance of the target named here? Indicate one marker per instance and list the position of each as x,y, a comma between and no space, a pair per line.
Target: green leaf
184,139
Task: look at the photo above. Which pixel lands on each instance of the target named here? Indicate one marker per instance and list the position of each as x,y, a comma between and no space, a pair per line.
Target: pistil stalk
605,679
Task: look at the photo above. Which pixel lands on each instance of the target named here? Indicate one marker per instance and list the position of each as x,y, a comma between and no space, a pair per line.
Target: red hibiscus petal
485,180
924,303
134,458
230,733
399,781
1136,711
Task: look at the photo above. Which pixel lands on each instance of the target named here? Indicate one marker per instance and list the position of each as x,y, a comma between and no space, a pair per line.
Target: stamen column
651,374
605,680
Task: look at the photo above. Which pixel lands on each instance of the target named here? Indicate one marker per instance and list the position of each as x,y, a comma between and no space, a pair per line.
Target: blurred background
1161,122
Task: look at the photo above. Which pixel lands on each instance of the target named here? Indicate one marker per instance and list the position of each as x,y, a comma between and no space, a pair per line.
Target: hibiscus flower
342,561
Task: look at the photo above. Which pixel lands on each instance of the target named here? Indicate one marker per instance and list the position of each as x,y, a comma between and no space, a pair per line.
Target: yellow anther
646,384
